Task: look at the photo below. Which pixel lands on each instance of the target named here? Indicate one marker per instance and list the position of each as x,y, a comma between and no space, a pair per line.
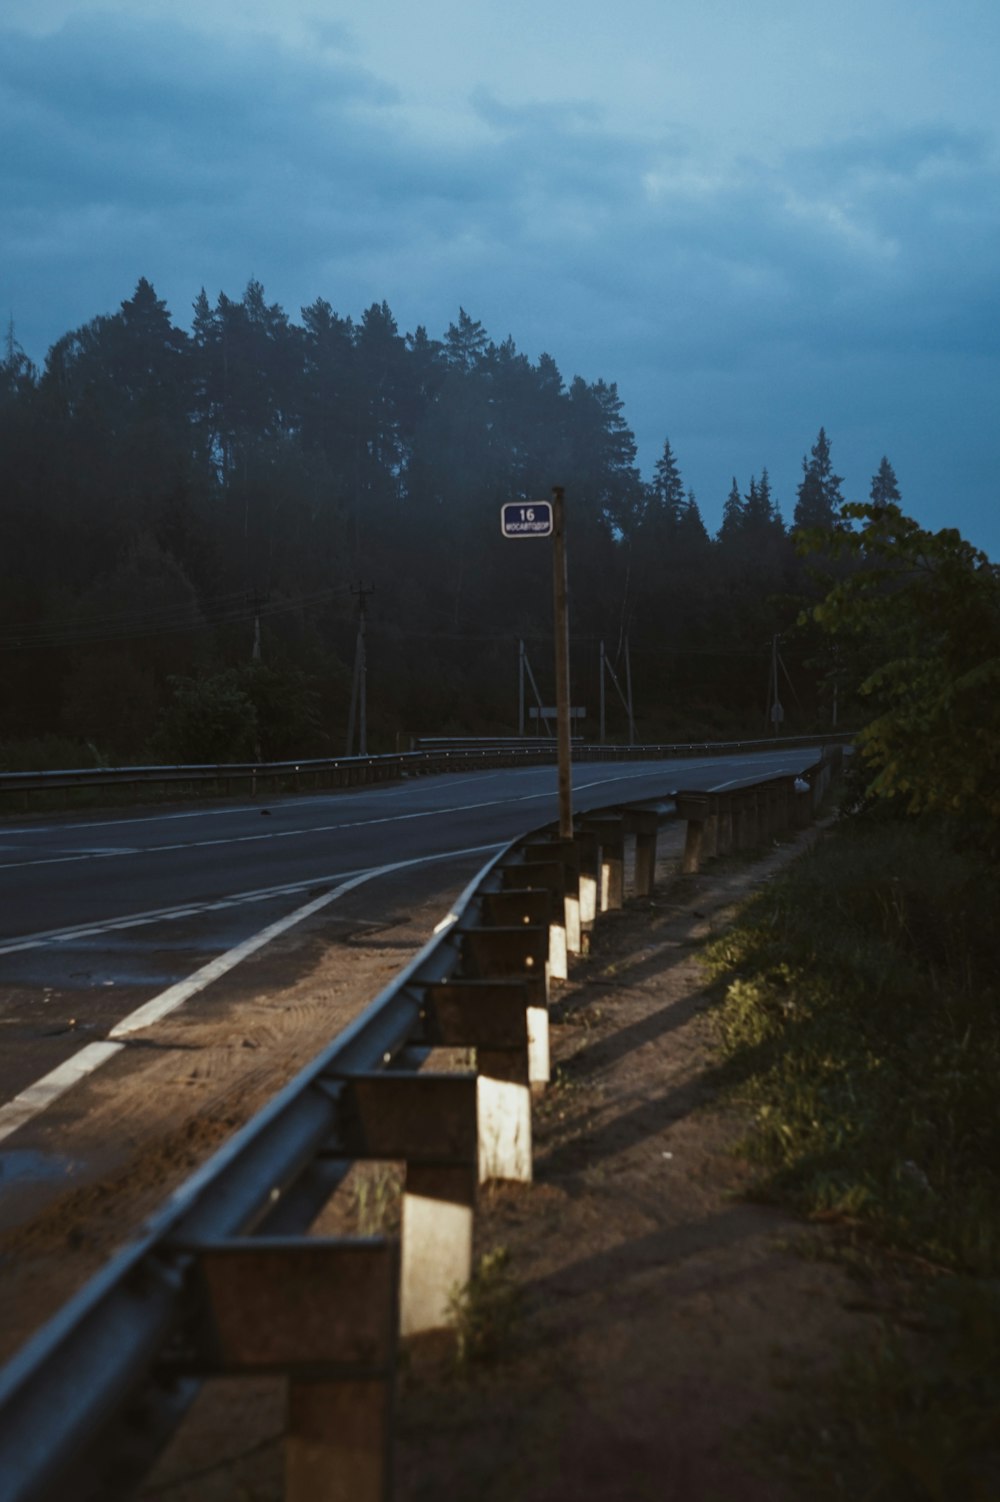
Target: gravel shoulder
669,1327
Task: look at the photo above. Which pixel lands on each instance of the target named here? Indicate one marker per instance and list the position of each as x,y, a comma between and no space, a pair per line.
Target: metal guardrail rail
355,771
224,1279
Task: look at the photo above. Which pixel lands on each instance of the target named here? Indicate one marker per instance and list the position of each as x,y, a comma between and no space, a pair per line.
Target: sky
756,218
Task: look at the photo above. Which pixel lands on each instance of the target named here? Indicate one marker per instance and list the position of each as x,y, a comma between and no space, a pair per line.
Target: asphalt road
100,913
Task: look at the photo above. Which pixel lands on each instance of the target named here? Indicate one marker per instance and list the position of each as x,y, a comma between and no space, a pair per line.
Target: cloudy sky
756,216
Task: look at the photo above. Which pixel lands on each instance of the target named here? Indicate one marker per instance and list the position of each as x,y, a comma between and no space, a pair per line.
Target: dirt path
666,1324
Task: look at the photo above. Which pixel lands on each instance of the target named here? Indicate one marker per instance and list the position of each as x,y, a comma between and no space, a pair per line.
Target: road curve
103,916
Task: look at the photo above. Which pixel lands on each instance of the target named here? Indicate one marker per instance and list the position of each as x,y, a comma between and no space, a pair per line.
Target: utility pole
561,607
359,685
777,712
601,697
628,690
520,687
256,602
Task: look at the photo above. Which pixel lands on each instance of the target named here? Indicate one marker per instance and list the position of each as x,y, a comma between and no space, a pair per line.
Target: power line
168,619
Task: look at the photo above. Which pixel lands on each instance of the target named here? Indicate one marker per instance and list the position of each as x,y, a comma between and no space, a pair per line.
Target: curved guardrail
225,1279
355,771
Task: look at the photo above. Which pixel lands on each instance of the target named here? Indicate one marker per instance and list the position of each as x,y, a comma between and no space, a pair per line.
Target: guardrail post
494,1018
488,953
610,835
693,807
531,905
559,877
586,843
646,824
710,829
430,1123
325,1312
724,837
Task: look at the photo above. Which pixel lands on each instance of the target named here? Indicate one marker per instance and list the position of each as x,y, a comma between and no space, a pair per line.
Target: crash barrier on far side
225,1279
250,779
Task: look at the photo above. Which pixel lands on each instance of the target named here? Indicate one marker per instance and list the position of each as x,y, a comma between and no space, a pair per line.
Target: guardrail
355,771
225,1280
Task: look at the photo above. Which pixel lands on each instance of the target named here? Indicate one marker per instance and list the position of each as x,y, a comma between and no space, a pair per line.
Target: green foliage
48,753
211,719
861,1027
920,612
920,1424
861,1022
286,708
486,1312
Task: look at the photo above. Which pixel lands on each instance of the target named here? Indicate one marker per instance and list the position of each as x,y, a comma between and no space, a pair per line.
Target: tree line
188,519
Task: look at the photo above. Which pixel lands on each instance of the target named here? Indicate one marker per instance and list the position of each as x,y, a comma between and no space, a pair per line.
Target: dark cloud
739,303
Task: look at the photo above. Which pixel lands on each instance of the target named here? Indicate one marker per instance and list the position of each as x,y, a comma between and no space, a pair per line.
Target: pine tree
668,487
819,490
465,343
885,487
733,515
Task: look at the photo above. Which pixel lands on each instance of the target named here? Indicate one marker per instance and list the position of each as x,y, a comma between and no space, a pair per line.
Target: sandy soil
665,1322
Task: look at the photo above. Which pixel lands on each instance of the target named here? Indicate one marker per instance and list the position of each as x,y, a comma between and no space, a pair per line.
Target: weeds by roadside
486,1311
861,1025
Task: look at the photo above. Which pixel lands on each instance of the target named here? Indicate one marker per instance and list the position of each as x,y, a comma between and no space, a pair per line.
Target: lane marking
39,1096
284,834
287,834
391,790
101,926
88,930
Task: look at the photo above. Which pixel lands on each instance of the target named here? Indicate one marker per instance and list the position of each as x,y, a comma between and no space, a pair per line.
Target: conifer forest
191,522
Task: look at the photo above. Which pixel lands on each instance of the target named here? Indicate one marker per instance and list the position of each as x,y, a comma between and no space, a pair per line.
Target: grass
861,1027
486,1312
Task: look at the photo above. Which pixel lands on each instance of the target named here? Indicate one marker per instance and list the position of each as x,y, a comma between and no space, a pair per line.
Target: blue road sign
526,519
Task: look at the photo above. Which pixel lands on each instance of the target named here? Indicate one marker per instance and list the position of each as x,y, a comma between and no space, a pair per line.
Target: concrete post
610,834
492,1017
646,828
337,1444
691,861
326,1312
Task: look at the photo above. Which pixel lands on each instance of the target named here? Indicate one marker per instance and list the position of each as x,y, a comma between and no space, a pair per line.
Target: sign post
545,519
560,594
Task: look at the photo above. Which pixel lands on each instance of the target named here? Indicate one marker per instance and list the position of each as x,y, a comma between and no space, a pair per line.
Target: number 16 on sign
526,519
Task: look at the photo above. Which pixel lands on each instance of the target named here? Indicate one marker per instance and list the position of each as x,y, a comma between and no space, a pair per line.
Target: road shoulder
668,1326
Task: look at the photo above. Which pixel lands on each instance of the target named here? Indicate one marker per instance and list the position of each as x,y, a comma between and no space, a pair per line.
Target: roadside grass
486,1312
861,1028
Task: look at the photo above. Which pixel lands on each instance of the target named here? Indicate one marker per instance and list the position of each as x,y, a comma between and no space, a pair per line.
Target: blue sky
757,219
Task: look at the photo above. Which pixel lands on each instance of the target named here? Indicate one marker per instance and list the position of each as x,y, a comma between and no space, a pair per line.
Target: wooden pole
602,694
520,687
560,601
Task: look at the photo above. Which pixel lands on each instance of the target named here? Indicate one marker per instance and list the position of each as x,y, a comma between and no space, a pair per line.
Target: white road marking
39,1096
281,801
286,834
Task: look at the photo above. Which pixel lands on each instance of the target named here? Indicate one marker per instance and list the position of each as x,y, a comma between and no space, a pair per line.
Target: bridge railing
225,1280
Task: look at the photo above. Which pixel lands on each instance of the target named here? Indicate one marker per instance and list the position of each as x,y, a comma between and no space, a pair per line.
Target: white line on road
37,1097
289,834
274,834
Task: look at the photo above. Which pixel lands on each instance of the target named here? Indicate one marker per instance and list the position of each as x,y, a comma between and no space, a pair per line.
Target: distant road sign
549,712
526,519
